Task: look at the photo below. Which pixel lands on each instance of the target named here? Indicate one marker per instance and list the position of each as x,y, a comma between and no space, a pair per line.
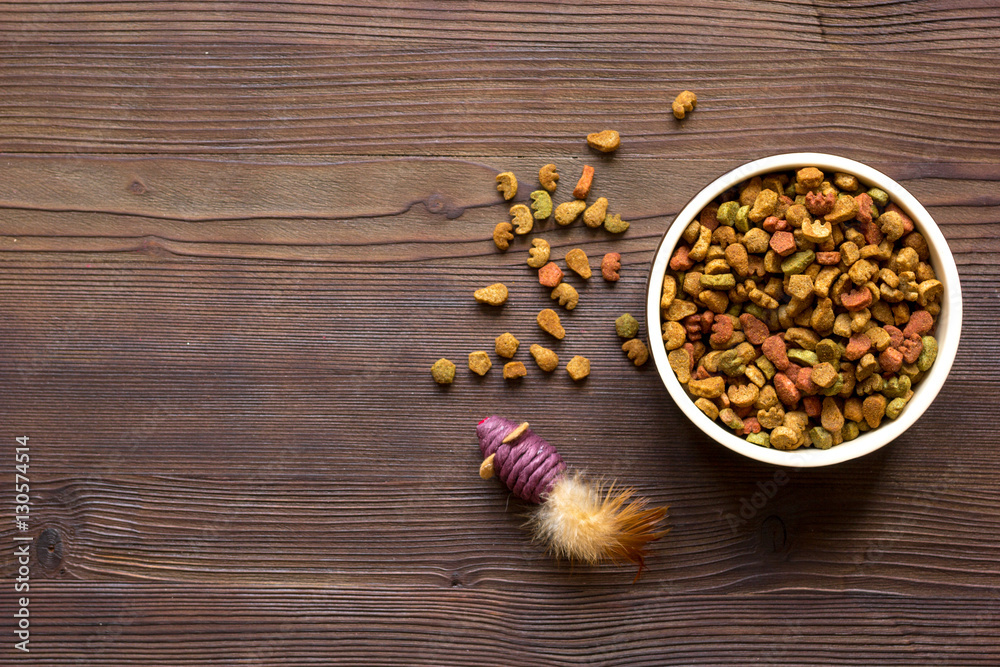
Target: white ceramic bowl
949,323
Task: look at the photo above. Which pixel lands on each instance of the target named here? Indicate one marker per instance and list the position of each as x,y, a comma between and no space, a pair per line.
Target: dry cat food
577,260
506,345
514,370
626,326
550,275
636,351
541,204
548,321
521,219
567,295
494,295
507,185
546,359
548,176
443,371
683,104
502,235
605,141
569,211
800,309
479,362
578,367
582,188
611,266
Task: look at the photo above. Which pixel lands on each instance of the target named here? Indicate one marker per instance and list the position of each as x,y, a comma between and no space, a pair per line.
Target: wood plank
510,101
563,624
920,24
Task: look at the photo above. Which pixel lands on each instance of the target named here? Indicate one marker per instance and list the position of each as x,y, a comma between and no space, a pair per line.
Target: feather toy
576,518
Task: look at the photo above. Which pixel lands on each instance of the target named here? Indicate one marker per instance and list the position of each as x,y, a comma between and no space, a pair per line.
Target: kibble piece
578,367
479,362
674,335
636,350
577,260
605,141
710,409
594,215
549,322
873,409
611,266
506,345
546,359
502,235
548,176
541,204
615,224
521,219
684,103
443,371
626,326
513,370
550,275
582,188
538,254
680,363
494,295
568,211
507,184
567,295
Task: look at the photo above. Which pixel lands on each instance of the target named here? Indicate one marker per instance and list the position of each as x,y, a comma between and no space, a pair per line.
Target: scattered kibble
548,176
506,345
577,260
684,103
521,219
611,266
578,367
479,363
507,184
605,141
594,214
443,371
548,320
513,370
494,295
538,254
615,224
567,295
636,350
626,326
502,235
546,359
541,204
569,211
582,188
550,275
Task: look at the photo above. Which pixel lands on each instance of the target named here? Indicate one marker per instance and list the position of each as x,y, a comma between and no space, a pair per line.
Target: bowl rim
949,321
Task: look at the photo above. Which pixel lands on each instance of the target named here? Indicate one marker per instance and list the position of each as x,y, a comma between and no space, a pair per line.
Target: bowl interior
948,327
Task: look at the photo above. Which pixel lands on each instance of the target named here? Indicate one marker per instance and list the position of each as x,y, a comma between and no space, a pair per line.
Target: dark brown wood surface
234,237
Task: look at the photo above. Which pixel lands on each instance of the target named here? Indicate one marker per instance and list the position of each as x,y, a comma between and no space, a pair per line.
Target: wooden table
235,236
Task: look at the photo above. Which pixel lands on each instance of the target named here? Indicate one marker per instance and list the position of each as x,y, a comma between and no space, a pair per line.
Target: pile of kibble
550,274
799,309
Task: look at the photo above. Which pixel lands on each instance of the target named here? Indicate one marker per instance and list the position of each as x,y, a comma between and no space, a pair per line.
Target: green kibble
821,438
742,223
803,357
732,364
762,439
541,204
726,214
755,310
896,387
721,281
729,418
928,354
829,350
895,407
626,326
765,366
880,197
735,309
850,431
443,371
798,262
834,388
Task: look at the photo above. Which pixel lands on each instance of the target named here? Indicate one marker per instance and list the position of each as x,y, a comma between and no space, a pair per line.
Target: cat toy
576,518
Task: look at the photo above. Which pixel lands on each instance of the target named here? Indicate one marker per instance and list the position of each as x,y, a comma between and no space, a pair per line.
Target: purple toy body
529,466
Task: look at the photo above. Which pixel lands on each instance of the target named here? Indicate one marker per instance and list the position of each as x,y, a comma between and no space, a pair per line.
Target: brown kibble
548,176
578,367
684,103
443,371
568,211
636,351
546,359
873,409
674,335
852,409
594,215
549,322
784,438
538,255
577,260
521,219
507,184
506,345
610,267
502,235
763,205
605,141
494,295
567,295
824,375
844,209
582,188
712,387
680,362
514,370
810,178
550,275
737,258
479,362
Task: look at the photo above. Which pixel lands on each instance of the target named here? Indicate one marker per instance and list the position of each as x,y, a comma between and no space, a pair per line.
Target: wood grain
488,101
233,237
